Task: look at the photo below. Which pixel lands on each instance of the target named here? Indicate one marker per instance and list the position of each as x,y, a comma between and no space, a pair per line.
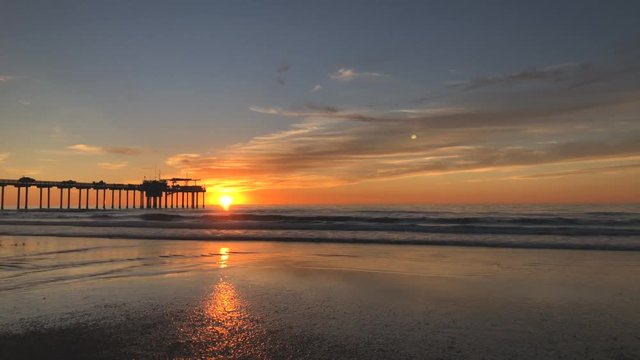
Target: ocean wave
351,237
550,220
361,226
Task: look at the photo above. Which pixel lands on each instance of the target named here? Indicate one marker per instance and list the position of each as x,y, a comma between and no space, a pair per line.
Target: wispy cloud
316,88
113,166
585,171
183,161
345,74
88,149
3,157
512,113
554,73
327,154
432,111
309,110
123,150
117,150
7,78
571,74
325,151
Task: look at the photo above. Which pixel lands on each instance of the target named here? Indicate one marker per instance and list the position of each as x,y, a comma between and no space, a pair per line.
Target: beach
79,297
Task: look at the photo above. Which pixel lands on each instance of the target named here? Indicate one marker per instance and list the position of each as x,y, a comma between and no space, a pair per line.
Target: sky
341,102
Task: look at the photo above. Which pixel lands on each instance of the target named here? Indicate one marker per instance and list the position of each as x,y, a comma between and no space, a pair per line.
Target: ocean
590,227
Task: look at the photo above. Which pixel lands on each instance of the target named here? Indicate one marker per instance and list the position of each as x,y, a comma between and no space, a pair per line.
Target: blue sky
214,79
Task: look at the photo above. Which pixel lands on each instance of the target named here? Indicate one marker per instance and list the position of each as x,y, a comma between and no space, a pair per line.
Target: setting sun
225,201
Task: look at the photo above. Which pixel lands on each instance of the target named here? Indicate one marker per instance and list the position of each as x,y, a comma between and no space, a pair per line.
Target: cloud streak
183,161
555,74
585,171
113,166
7,78
117,150
571,75
345,74
328,152
512,114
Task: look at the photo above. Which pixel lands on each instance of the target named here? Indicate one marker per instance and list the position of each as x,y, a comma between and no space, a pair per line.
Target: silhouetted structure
153,194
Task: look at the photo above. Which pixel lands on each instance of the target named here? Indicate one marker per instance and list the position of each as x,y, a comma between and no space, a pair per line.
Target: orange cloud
118,150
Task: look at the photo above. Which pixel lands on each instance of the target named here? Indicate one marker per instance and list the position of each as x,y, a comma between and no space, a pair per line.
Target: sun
225,202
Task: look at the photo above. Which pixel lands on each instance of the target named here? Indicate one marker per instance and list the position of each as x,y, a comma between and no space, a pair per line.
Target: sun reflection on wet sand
222,328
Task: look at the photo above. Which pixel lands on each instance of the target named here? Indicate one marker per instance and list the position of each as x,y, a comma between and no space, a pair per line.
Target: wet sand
115,299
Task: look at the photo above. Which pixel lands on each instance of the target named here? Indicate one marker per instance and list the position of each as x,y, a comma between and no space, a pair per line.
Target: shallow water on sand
119,298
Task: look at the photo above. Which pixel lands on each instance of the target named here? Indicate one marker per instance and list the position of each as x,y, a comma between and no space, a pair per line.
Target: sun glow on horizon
225,201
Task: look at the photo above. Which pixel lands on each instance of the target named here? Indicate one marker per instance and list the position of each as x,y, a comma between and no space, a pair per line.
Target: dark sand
119,299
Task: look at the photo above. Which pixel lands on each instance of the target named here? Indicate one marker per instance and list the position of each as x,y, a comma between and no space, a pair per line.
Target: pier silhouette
174,193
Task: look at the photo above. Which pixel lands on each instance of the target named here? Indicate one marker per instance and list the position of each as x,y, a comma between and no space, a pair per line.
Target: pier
174,193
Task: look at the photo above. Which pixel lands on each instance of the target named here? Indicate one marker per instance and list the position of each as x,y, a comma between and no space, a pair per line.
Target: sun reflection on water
226,309
223,328
224,257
